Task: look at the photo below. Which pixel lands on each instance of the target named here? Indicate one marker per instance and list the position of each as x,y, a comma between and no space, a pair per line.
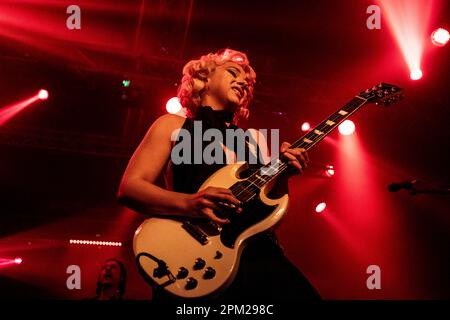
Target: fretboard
268,172
329,124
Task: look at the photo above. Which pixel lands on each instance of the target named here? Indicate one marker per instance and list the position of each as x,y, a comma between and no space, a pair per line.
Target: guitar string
356,104
299,142
335,116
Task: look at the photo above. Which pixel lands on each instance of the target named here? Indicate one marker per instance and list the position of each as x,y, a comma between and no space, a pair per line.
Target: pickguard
253,212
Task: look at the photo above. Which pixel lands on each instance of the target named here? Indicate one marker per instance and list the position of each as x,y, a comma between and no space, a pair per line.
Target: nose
243,84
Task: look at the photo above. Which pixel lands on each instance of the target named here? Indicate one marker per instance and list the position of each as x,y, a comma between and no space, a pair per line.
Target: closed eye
232,72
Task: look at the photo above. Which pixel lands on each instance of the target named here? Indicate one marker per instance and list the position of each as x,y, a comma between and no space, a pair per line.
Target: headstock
383,93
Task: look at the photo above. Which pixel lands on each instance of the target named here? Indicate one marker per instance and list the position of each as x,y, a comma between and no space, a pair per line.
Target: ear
200,85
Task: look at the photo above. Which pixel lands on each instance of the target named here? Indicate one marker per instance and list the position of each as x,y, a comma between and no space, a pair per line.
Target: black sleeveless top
188,177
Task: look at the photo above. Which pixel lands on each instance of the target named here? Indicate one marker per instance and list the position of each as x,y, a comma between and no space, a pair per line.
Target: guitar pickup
195,232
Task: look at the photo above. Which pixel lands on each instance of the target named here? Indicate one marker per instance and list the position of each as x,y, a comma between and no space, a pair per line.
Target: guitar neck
329,124
278,166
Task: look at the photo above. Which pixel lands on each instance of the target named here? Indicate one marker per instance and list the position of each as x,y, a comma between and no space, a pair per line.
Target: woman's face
227,87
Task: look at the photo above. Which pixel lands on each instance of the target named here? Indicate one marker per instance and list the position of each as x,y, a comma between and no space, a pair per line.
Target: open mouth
108,276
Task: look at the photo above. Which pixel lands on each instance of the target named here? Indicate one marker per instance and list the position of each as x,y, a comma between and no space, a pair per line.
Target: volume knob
209,273
182,273
199,264
191,283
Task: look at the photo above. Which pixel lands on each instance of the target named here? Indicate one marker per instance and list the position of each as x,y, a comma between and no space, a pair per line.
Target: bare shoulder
165,125
171,121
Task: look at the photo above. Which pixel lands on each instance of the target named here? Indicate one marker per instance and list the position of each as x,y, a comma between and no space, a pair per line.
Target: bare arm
137,189
139,192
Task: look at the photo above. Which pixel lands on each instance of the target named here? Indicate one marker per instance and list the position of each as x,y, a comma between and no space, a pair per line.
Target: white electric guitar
194,258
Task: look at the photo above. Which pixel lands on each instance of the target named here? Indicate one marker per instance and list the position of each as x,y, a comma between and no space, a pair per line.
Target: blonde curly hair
195,74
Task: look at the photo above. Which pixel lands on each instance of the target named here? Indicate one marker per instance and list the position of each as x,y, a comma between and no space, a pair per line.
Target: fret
260,178
257,180
329,124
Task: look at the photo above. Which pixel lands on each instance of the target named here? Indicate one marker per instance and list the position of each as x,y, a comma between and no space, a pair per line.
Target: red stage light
320,207
8,112
347,128
43,94
10,262
409,22
440,37
330,171
96,243
306,126
416,74
173,105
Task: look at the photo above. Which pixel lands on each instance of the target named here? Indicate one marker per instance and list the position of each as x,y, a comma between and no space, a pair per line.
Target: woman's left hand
297,158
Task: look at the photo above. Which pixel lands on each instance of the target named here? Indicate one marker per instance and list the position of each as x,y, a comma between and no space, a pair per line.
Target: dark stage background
61,160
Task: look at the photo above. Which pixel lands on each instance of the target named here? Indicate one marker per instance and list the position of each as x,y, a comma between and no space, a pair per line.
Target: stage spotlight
321,207
416,74
96,243
173,105
329,171
440,37
10,262
126,83
8,112
306,126
346,128
409,22
43,94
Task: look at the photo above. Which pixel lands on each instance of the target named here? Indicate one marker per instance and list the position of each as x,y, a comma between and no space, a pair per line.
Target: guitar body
194,258
181,243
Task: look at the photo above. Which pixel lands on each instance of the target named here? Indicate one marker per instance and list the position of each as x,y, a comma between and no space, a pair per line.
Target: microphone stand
417,186
413,191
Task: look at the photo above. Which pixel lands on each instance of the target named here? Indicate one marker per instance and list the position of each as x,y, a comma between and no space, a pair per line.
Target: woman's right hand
210,201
